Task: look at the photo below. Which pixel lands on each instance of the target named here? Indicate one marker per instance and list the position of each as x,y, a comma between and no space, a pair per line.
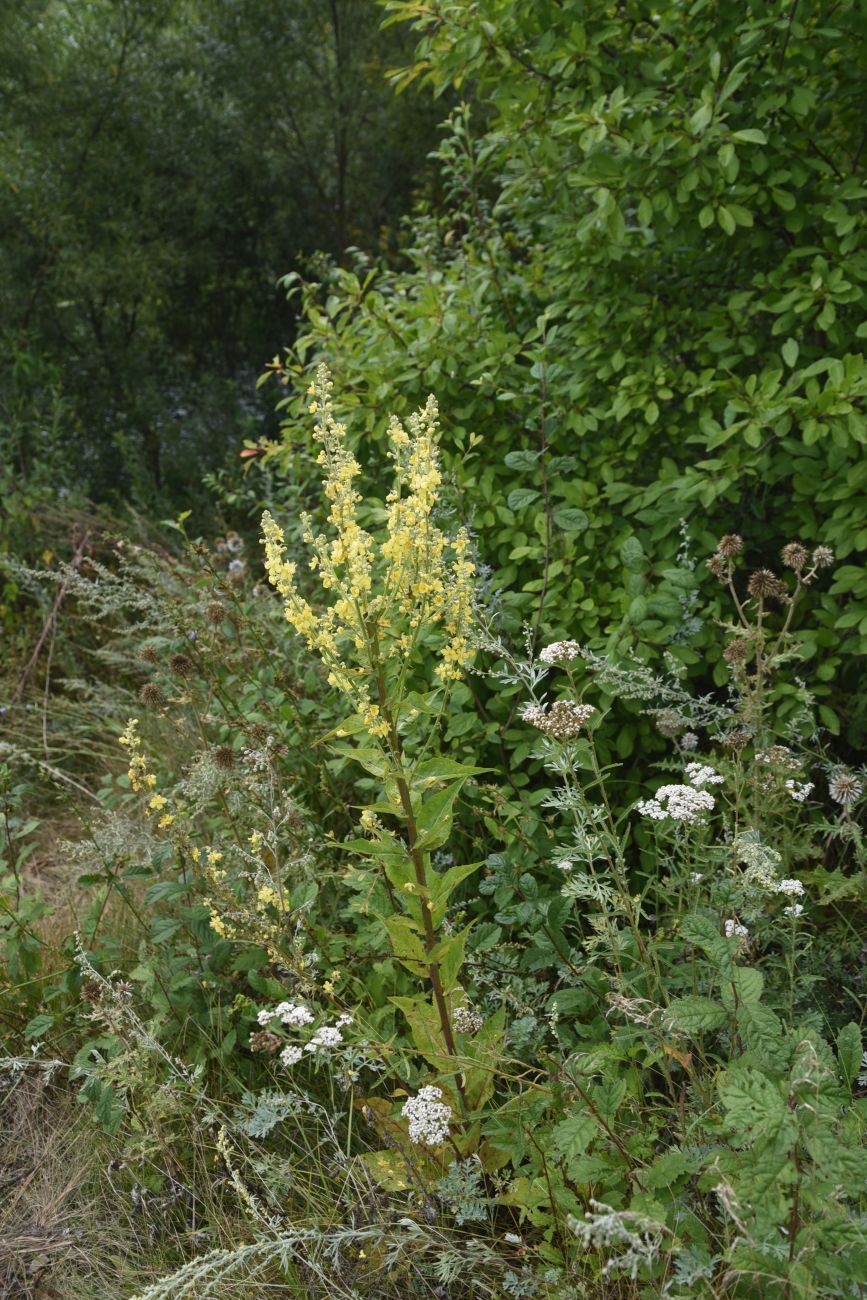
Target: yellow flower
158,801
165,820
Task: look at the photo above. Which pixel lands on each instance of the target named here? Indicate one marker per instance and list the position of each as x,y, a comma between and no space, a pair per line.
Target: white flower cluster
683,803
795,909
779,756
466,1020
799,790
561,652
294,1014
734,929
793,888
428,1117
324,1039
700,775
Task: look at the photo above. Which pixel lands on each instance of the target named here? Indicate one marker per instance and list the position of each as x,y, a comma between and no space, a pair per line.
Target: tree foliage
642,303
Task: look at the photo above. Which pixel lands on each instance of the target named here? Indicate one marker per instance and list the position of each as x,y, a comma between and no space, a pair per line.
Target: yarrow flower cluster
700,775
297,1015
793,888
682,803
799,790
562,721
560,652
428,1117
294,1014
466,1020
734,930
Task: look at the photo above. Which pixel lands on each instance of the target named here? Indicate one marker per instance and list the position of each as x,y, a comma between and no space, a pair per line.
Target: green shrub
641,302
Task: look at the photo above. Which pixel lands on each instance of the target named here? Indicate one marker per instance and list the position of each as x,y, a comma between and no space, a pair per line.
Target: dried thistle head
215,612
737,651
730,546
258,733
152,696
224,757
822,557
794,556
764,584
717,566
148,655
91,991
181,665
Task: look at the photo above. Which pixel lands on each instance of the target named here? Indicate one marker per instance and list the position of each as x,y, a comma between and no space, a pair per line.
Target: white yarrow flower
793,888
291,1055
700,775
428,1117
683,803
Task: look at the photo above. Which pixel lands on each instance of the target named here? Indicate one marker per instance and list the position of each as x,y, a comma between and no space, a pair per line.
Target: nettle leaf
756,1109
745,986
38,1027
705,934
572,1136
849,1051
693,1014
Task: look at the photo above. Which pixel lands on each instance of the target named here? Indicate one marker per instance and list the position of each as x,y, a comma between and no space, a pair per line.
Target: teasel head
181,665
764,585
794,556
148,655
224,757
730,546
717,566
152,696
215,612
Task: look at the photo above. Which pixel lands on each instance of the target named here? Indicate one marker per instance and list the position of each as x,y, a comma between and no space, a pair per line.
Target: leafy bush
642,302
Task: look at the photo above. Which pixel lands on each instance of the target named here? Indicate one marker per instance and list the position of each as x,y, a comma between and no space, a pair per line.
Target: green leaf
743,986
751,135
693,1014
571,519
790,351
434,820
519,498
849,1051
38,1027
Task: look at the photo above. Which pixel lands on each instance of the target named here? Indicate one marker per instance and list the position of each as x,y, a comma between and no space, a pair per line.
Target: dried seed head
259,733
764,584
264,1041
152,696
730,546
148,655
215,612
822,557
224,757
794,556
845,788
123,990
669,722
91,991
736,740
181,665
737,651
717,566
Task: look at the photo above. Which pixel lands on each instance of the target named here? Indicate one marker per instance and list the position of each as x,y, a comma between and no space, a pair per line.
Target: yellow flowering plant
396,602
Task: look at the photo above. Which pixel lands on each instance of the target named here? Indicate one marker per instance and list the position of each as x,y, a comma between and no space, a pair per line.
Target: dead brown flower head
794,556
181,665
764,585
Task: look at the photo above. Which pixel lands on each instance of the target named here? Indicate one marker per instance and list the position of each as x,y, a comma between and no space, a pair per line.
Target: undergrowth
345,1012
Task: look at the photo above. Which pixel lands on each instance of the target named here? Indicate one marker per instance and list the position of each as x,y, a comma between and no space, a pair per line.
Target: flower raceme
388,593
